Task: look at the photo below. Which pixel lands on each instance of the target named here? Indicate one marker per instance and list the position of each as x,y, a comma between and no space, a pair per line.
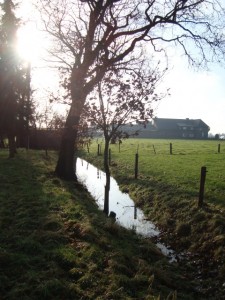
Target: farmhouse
173,128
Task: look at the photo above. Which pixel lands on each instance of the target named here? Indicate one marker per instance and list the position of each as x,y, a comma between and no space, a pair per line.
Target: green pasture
179,170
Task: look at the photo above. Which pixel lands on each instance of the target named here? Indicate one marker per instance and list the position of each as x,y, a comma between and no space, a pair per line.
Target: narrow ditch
127,214
198,266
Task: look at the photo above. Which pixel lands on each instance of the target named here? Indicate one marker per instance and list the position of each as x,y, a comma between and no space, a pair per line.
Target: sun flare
30,43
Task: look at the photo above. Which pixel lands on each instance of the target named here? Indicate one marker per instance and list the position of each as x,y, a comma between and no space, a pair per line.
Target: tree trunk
12,146
2,143
107,172
65,167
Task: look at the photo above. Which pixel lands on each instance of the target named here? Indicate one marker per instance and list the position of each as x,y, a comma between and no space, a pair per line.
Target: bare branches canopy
91,37
103,33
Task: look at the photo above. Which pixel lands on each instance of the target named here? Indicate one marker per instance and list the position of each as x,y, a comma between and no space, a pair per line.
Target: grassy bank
167,190
56,244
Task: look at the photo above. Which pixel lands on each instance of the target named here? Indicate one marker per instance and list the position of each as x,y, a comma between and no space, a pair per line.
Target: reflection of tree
106,197
93,36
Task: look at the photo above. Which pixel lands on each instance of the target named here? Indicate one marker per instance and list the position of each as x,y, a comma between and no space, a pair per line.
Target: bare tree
92,36
124,97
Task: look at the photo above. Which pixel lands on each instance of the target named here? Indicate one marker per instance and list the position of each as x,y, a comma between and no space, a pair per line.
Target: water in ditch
127,214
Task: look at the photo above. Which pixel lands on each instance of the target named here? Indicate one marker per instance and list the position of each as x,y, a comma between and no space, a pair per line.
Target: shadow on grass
56,244
30,232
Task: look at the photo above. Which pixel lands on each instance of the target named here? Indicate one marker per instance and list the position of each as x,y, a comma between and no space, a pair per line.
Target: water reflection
127,214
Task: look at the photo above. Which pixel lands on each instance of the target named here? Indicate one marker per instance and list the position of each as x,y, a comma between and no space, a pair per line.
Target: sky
193,94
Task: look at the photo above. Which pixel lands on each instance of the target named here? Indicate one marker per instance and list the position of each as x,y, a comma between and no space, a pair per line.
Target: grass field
56,244
181,170
167,189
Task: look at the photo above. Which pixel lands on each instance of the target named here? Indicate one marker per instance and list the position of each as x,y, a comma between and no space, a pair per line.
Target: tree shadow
31,231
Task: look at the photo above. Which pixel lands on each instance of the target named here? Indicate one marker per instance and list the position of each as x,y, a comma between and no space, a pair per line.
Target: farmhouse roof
163,123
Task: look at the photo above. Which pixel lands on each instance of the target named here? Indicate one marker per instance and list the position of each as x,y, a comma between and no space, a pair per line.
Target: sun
28,47
31,42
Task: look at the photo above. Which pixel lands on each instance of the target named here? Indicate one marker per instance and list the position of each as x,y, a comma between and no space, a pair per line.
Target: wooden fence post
171,149
154,149
202,186
120,142
136,166
218,148
98,149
